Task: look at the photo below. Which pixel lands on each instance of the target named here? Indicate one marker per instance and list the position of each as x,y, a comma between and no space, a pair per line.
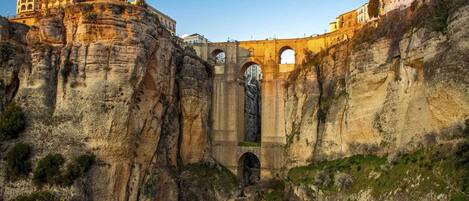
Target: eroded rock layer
107,79
382,96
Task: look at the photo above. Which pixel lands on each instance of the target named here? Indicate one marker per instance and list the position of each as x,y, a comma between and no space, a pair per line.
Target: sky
222,20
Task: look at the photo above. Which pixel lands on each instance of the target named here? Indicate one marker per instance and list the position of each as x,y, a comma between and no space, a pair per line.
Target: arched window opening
249,169
287,56
30,7
252,103
219,56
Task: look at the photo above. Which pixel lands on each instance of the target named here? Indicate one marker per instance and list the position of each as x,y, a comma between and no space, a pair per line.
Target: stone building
195,39
27,10
333,26
362,14
348,20
165,20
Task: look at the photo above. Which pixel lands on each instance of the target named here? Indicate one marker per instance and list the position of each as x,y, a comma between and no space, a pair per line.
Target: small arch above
219,56
287,55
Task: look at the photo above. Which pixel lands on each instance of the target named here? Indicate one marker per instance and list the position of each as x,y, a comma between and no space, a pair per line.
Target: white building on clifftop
390,5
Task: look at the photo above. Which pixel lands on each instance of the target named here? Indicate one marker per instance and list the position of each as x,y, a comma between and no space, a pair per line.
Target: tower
25,7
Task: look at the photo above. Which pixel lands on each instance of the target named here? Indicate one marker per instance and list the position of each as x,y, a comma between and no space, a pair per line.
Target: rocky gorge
109,80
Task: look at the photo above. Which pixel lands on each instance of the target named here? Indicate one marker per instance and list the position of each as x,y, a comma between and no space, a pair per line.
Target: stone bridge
229,92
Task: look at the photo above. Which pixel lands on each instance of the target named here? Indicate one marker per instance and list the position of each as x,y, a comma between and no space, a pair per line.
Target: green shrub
249,144
38,196
117,9
48,169
17,160
91,17
150,188
462,154
12,122
466,129
77,168
373,8
86,8
6,52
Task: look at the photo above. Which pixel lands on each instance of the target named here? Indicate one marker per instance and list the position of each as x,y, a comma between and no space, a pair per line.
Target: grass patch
38,196
249,144
433,170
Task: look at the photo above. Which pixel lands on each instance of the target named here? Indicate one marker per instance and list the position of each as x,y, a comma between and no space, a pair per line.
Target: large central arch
251,80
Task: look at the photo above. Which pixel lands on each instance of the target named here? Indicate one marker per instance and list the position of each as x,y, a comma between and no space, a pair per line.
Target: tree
12,122
17,160
373,8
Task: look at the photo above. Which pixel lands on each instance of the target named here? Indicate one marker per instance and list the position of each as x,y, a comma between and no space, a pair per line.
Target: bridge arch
218,56
245,66
250,89
249,169
287,55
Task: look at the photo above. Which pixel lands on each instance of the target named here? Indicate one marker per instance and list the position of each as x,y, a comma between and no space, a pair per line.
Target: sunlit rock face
373,99
116,85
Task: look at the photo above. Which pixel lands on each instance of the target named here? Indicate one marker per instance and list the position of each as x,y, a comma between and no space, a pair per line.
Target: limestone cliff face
108,79
373,99
12,55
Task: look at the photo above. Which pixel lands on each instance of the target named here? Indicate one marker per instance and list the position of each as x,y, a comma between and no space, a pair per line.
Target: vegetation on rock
12,122
77,168
439,169
249,144
274,192
48,168
373,8
91,17
466,129
208,176
17,160
38,196
149,189
6,51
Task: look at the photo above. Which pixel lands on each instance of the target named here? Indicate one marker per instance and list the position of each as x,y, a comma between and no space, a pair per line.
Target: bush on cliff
12,122
6,51
373,8
462,154
17,160
91,17
77,168
48,169
38,196
466,129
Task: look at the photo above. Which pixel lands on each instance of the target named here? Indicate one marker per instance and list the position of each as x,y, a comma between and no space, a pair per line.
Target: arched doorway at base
249,169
